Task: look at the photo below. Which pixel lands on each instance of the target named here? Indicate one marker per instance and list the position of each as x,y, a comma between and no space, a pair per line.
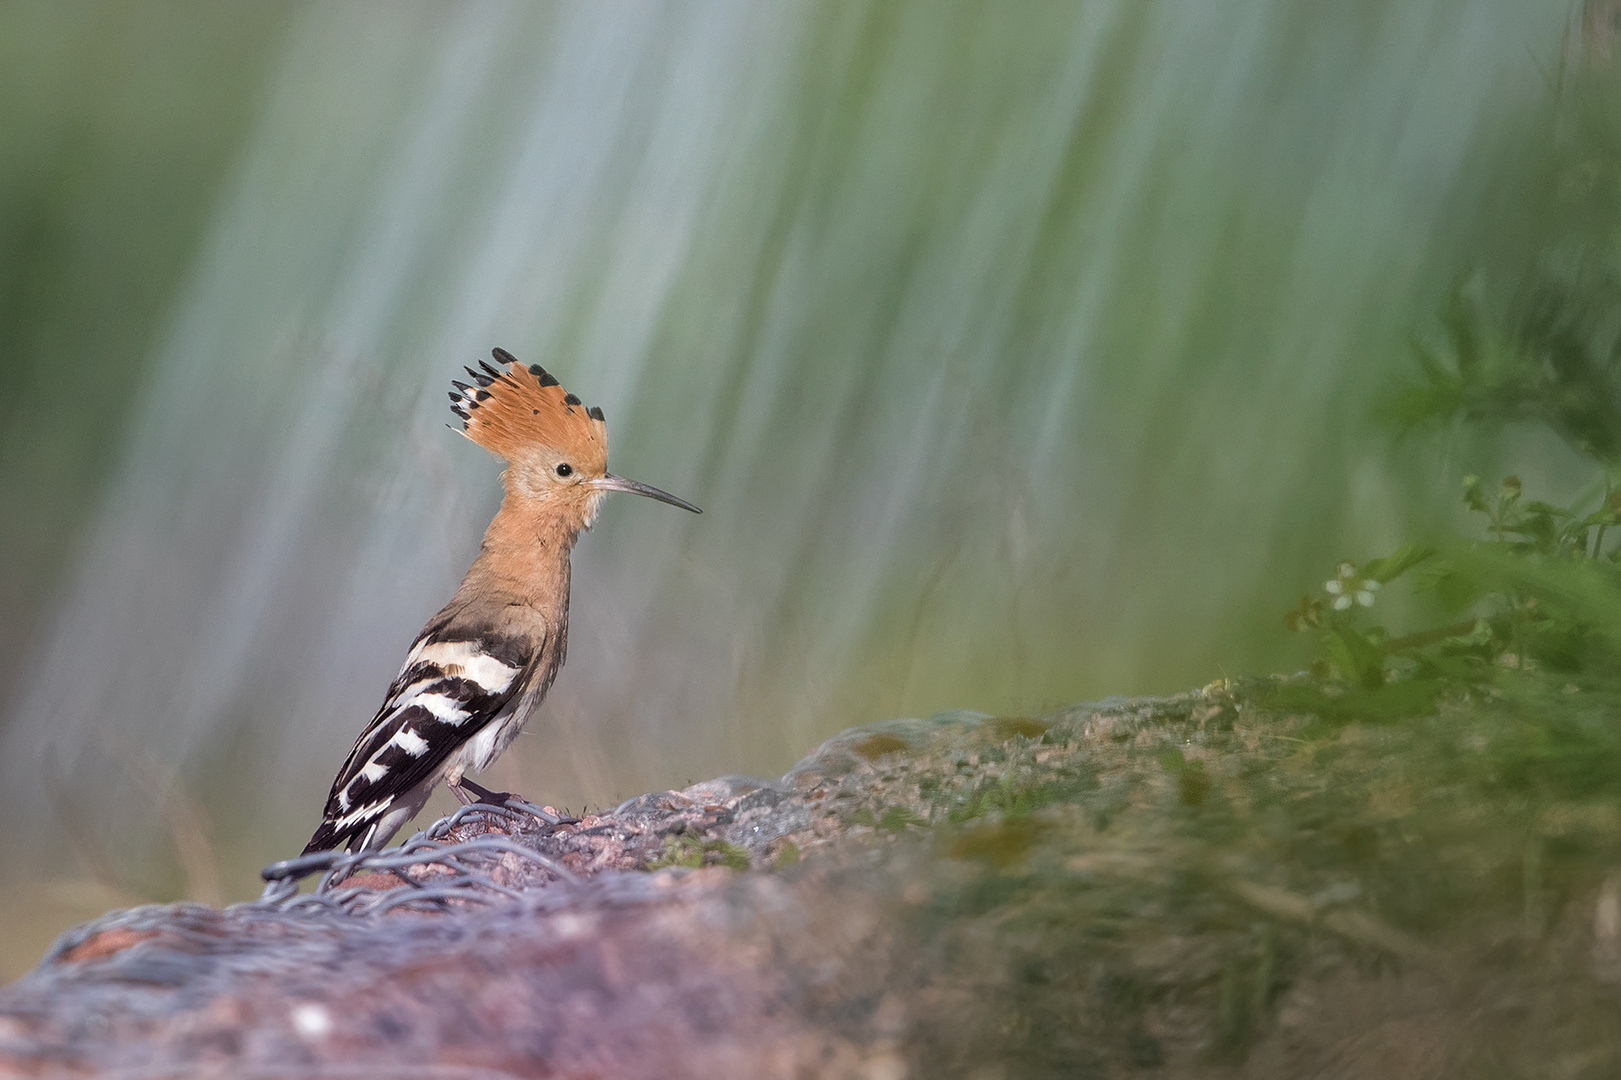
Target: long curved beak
610,482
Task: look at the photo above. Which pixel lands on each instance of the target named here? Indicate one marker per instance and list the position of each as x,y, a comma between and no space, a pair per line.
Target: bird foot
469,793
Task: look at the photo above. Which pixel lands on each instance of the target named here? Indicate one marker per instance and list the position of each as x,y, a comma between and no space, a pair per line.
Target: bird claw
469,793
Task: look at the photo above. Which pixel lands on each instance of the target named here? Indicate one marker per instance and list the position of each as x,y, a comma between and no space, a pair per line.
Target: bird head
556,449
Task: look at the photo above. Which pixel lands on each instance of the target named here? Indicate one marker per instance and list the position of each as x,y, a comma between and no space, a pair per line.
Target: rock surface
1186,886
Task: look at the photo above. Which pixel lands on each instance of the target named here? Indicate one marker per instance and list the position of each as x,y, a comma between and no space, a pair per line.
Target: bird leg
468,793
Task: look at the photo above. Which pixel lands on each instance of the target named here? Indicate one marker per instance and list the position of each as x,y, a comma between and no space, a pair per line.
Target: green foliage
897,818
1554,358
1535,339
1542,592
693,851
1530,607
1533,335
1537,528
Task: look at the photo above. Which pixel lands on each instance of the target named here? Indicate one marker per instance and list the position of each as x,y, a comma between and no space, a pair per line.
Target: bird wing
449,688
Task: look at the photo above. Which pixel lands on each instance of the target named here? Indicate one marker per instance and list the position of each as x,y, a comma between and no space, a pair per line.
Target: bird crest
513,409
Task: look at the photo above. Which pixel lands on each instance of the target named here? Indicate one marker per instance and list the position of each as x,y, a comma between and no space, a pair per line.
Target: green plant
1542,591
692,851
1550,353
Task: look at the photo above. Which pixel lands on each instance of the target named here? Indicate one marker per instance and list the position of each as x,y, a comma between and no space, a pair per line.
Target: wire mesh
435,871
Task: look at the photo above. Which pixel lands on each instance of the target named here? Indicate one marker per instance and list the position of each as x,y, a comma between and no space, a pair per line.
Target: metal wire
434,874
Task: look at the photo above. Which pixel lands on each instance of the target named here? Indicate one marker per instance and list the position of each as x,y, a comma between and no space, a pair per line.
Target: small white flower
1348,588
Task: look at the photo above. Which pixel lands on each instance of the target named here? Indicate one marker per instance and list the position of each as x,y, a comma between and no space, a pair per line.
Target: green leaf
1455,589
1398,562
1357,657
1602,516
1538,507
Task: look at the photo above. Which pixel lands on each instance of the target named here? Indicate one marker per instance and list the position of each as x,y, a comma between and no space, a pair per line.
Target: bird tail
325,838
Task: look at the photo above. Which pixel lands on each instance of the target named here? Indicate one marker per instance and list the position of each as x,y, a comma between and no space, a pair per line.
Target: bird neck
525,556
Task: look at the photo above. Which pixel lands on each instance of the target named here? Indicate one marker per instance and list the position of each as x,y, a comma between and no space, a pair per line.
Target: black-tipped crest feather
522,407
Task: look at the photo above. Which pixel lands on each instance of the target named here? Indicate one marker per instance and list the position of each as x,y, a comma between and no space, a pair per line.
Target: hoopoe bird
482,665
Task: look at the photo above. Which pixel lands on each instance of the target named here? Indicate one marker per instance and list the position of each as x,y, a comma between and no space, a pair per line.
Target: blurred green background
1019,354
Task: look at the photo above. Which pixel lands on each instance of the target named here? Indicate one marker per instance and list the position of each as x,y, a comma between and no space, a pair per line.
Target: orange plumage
515,409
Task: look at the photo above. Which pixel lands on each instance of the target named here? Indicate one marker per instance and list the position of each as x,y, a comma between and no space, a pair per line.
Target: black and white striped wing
446,692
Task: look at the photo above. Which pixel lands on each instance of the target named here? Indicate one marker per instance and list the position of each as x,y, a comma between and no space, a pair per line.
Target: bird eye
565,469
